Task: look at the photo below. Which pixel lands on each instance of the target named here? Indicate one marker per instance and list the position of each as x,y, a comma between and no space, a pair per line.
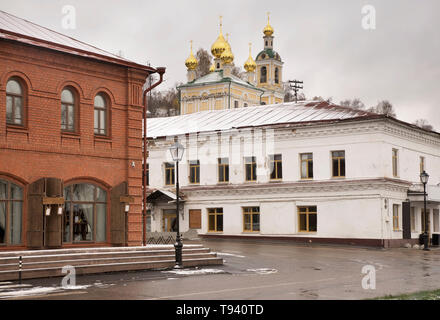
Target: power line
296,85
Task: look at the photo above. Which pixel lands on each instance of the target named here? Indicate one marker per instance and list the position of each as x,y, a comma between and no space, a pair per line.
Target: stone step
90,259
111,267
54,252
97,255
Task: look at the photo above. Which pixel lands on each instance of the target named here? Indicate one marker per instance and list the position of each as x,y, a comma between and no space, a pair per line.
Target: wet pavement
258,270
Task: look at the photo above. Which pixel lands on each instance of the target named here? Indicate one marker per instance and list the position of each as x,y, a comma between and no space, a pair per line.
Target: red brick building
70,141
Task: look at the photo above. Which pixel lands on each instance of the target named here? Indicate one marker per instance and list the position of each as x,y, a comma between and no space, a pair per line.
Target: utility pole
296,85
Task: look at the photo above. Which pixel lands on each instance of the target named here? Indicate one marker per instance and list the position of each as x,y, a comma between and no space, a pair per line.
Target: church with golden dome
220,89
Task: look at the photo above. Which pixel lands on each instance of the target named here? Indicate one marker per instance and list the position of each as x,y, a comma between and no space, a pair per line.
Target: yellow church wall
204,106
218,105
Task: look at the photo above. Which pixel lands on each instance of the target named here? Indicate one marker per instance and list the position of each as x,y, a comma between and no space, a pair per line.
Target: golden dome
250,64
219,46
191,63
268,30
212,67
227,56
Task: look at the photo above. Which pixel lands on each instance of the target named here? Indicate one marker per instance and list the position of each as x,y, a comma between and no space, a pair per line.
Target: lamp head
176,151
424,177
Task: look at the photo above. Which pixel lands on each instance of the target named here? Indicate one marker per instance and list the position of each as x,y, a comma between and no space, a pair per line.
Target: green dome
268,53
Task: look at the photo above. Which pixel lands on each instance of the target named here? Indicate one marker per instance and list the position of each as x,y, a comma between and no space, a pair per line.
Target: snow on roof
215,77
283,113
18,29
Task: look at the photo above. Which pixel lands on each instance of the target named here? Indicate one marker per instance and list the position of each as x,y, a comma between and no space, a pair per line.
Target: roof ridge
63,35
49,37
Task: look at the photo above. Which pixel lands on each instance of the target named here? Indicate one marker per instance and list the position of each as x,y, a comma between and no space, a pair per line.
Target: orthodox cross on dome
221,23
268,17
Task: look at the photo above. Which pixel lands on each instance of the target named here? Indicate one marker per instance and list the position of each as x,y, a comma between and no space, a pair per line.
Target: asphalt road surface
258,270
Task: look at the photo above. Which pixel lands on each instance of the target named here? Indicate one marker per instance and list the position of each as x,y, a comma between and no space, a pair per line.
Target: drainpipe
160,71
262,92
229,101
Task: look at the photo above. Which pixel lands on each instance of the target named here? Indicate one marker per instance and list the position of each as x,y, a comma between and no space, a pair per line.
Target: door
195,219
44,230
53,222
406,220
169,221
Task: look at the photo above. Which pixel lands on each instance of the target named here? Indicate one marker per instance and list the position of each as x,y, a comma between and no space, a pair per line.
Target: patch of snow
76,287
14,286
229,254
195,272
29,292
263,270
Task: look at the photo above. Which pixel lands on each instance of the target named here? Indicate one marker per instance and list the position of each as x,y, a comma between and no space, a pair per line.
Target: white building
309,171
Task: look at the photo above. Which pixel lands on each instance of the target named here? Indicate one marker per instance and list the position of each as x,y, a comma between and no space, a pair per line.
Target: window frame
169,166
307,161
215,212
253,168
106,111
222,167
15,96
75,105
94,203
273,163
339,159
396,220
307,213
395,162
265,74
413,219
194,172
8,201
251,211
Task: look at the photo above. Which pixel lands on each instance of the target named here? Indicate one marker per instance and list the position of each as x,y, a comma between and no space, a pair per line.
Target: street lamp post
424,177
176,151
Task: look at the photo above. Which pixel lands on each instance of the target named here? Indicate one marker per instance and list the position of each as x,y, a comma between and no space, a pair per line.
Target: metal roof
276,114
216,77
21,30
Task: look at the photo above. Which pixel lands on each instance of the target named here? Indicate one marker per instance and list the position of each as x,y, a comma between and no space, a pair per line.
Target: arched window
68,110
263,75
101,114
11,213
14,103
85,213
277,79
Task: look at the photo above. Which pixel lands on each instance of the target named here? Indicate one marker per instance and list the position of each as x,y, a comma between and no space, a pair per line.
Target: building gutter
229,102
160,71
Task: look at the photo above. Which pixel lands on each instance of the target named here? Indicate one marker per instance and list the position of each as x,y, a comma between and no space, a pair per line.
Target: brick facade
40,149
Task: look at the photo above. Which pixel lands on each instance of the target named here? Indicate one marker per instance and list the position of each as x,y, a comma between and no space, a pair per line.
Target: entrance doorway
85,213
169,220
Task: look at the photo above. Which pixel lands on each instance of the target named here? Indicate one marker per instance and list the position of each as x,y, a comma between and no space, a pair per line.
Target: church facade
221,89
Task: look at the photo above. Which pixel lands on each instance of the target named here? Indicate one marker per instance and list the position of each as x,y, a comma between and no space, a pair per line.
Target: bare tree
236,71
423,123
384,107
319,98
163,103
355,103
205,61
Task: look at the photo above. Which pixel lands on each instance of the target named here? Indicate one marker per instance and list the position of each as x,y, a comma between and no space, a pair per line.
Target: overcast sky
321,42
